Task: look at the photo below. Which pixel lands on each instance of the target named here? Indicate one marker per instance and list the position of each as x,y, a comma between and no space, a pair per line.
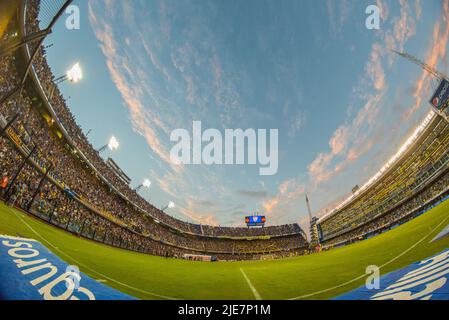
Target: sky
341,101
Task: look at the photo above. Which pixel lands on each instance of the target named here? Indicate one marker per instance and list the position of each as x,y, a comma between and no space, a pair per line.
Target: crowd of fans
426,160
56,206
413,207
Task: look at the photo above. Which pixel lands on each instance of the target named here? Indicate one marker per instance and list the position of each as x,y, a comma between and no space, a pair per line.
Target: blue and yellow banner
425,280
29,271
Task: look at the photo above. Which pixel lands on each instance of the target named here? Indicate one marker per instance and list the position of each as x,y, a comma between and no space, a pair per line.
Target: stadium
61,199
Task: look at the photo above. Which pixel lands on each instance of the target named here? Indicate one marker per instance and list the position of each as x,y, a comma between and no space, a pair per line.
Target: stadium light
146,183
113,145
170,205
75,74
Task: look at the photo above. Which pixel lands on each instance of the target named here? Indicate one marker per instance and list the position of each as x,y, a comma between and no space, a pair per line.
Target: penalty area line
253,289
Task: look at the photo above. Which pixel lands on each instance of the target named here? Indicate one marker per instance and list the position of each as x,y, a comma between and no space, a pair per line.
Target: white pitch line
87,267
380,267
256,294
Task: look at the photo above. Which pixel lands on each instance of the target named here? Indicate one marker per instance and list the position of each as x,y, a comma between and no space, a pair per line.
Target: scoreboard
255,221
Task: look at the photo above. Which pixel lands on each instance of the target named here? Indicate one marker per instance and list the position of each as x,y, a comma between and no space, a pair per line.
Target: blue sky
342,102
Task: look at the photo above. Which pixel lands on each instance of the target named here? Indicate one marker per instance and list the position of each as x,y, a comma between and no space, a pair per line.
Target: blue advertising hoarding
441,96
424,280
29,271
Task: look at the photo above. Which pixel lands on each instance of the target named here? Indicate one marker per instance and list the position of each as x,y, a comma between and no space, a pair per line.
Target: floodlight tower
308,208
113,145
73,75
440,99
146,183
437,74
313,227
170,205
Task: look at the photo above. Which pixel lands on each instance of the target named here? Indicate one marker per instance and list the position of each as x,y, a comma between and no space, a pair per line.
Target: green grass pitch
318,276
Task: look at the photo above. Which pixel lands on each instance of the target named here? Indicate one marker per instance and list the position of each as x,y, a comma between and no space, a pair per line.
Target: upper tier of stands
418,167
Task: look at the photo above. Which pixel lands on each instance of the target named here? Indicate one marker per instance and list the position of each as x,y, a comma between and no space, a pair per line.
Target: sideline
86,267
380,267
253,289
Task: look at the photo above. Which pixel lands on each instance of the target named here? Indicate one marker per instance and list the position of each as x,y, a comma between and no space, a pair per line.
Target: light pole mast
440,99
437,74
313,227
308,209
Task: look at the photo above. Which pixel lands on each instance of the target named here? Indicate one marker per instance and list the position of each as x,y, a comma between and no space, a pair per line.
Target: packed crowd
426,199
422,162
56,206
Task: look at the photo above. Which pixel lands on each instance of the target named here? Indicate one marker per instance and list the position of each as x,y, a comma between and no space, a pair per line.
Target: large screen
255,221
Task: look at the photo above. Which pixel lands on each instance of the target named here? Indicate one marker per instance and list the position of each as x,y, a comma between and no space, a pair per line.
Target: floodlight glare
146,183
171,205
75,73
113,143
